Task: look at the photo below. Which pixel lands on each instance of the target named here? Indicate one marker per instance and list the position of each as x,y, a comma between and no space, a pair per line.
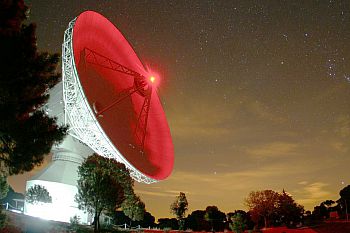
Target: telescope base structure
60,179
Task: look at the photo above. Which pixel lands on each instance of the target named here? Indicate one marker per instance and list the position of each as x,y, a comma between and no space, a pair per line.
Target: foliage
179,208
120,218
320,212
38,193
196,221
262,204
344,201
26,132
288,212
2,218
215,217
274,208
345,193
103,185
148,221
133,208
324,209
168,223
245,218
4,187
74,223
329,203
238,224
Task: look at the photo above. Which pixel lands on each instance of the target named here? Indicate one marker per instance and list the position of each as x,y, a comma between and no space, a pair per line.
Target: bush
2,218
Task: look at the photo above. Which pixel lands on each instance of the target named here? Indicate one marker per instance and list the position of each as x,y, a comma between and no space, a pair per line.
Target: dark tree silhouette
4,187
238,223
38,193
133,208
288,211
262,204
168,223
344,201
179,208
26,132
103,185
196,221
246,218
148,220
215,217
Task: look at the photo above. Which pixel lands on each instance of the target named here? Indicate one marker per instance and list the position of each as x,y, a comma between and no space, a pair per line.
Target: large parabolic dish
110,103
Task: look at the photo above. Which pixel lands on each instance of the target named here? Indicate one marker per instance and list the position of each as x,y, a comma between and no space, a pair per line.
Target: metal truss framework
140,87
82,119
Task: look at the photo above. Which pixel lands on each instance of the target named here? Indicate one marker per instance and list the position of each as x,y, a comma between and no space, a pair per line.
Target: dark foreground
19,223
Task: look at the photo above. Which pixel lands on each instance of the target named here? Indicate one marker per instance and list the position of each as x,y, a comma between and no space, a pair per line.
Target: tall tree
103,185
196,221
345,201
133,208
4,187
246,218
148,220
38,193
179,208
288,211
215,217
26,75
262,203
168,223
320,212
238,223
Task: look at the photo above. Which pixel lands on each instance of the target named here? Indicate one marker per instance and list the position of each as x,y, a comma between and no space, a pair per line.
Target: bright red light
153,77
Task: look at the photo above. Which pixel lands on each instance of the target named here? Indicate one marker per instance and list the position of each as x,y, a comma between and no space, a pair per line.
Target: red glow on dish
101,86
153,77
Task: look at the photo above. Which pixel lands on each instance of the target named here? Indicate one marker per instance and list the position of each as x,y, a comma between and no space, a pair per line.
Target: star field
256,93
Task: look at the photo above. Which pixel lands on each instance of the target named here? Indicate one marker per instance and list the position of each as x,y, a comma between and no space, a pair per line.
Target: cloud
161,192
207,119
303,182
343,126
262,111
194,120
274,149
313,193
340,147
156,194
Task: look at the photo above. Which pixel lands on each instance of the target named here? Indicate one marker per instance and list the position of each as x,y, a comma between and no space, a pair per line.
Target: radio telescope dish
111,103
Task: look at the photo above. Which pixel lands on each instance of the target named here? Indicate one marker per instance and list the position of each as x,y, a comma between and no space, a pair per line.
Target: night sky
256,93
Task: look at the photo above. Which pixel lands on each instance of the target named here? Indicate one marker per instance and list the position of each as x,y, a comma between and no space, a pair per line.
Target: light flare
153,77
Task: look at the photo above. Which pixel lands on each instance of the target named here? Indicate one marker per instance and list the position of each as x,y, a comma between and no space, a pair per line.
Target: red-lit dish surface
101,86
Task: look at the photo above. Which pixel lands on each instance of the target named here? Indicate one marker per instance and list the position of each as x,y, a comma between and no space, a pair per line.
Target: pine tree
26,75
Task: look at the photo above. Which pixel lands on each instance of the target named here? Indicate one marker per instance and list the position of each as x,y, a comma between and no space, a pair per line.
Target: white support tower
60,179
61,175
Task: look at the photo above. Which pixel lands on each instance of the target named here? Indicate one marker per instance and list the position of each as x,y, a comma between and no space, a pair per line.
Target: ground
29,224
